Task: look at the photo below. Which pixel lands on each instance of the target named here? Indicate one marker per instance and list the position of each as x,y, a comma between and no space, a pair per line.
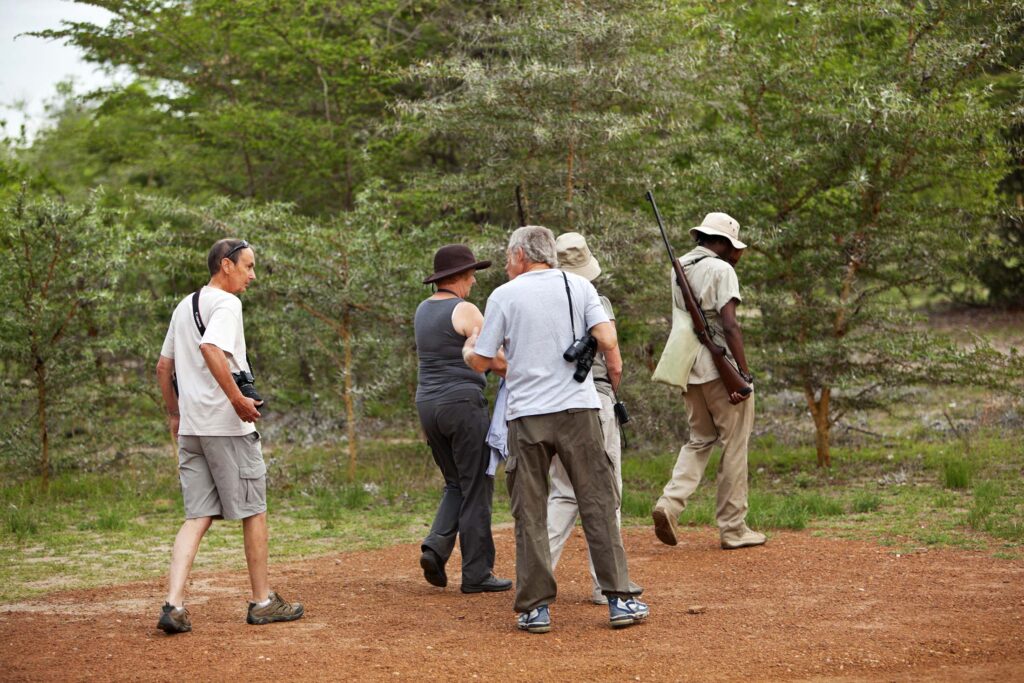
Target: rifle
519,205
734,382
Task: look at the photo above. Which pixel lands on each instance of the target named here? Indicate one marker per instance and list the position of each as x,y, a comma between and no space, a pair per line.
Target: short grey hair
537,243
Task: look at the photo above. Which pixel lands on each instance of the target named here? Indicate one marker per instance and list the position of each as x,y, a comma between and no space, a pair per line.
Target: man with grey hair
220,453
536,316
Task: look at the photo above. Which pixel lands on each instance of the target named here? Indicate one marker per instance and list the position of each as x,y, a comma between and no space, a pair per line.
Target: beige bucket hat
717,223
574,256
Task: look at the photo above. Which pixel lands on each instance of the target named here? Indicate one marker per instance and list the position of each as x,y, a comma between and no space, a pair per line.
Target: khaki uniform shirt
600,367
714,284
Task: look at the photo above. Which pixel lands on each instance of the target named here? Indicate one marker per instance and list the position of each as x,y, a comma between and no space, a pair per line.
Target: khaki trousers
575,435
712,420
562,506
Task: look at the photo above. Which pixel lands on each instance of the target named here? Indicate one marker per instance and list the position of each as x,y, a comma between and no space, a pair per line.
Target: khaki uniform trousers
575,435
712,420
562,506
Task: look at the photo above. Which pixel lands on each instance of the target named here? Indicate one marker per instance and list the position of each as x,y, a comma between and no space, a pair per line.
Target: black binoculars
582,353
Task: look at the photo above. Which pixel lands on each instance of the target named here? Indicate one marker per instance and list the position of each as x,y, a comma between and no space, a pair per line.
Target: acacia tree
59,270
275,100
855,145
569,101
346,289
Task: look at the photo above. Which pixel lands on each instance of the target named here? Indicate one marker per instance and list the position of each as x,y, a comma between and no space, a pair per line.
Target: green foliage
20,523
60,266
861,146
862,158
956,473
866,501
258,99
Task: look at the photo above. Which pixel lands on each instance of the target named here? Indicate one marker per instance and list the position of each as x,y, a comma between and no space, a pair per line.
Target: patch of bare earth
800,608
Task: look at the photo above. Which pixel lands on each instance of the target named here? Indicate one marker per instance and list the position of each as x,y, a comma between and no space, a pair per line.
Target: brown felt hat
452,259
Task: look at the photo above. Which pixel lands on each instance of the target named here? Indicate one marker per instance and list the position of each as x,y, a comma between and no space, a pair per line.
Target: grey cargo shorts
222,476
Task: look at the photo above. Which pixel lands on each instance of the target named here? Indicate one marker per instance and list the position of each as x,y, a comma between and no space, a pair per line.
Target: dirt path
800,608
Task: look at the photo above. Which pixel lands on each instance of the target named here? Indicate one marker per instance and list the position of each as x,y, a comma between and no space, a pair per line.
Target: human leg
531,448
581,447
562,510
693,456
613,447
466,423
186,545
439,543
254,534
734,423
202,503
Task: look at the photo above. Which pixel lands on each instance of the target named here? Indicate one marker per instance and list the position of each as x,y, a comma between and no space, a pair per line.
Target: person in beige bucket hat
715,415
574,256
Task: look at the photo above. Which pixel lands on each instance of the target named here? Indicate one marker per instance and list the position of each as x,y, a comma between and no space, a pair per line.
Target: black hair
704,240
218,251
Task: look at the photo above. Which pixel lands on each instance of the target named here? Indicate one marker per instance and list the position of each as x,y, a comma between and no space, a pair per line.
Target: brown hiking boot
174,620
664,526
277,610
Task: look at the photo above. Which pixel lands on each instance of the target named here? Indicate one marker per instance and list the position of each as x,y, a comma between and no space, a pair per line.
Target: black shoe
433,568
174,620
492,584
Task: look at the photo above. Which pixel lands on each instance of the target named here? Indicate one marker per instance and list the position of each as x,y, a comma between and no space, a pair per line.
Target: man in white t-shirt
220,457
535,317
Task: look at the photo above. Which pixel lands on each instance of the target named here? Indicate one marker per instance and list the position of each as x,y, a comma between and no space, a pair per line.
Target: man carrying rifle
715,414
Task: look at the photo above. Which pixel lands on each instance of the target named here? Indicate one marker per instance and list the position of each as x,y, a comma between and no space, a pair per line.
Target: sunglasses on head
238,247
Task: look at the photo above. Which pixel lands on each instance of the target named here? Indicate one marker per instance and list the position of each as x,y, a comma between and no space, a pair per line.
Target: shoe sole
623,622
484,589
432,571
627,620
535,629
743,545
663,528
260,621
170,628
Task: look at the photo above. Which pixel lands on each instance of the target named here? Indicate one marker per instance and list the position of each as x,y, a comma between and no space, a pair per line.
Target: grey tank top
443,373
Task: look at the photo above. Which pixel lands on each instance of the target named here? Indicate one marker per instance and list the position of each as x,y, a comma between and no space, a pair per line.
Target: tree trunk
350,412
819,407
44,435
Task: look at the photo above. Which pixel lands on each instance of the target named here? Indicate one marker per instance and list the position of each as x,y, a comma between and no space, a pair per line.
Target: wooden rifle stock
734,382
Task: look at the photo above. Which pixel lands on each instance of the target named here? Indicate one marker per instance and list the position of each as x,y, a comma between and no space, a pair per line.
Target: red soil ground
800,608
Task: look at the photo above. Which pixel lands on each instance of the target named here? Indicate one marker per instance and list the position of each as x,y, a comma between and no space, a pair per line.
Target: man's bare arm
467,321
164,373
613,361
605,335
217,362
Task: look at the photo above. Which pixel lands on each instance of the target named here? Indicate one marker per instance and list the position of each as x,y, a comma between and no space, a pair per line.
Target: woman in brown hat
453,412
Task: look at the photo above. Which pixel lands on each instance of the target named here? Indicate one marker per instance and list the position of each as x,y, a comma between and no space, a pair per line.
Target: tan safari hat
574,256
717,223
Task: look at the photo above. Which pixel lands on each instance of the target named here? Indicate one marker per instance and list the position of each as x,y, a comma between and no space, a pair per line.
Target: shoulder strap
697,260
196,318
568,294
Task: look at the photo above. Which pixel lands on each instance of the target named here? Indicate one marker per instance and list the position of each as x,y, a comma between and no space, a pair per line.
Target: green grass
956,474
95,528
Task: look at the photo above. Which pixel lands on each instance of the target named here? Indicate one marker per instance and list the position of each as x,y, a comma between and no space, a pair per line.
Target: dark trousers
576,437
457,432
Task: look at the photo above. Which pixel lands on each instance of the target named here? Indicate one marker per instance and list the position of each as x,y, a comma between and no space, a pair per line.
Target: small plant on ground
956,474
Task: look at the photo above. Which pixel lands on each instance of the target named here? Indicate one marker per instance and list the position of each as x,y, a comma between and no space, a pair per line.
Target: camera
620,412
582,353
245,382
